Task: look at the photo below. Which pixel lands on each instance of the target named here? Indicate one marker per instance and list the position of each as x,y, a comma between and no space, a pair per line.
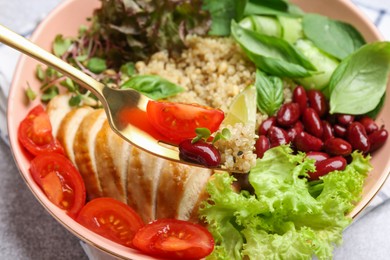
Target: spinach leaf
269,93
267,25
222,12
271,54
153,86
334,37
359,82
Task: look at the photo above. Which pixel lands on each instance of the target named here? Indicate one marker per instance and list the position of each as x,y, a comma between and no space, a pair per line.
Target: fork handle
25,46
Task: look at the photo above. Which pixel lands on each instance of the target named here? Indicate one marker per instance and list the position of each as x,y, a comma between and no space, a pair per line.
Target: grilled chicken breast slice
112,155
84,151
57,108
68,128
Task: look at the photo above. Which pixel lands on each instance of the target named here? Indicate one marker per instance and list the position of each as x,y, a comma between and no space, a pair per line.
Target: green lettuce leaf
282,219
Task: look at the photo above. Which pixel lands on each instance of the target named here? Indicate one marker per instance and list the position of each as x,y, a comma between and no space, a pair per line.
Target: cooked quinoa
213,71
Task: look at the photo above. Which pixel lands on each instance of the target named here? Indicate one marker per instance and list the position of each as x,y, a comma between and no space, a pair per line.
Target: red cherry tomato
60,181
174,239
178,121
111,219
35,133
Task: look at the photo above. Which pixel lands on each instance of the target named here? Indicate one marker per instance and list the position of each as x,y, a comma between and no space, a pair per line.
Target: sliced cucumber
324,63
291,28
263,24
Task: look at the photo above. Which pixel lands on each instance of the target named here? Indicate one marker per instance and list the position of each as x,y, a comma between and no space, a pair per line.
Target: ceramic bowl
67,18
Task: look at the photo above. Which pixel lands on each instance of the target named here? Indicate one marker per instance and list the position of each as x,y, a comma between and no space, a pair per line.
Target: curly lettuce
287,217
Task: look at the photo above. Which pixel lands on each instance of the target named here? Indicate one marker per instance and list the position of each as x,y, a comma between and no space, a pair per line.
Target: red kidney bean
262,145
344,119
199,152
288,114
266,125
357,137
339,130
306,142
300,97
377,139
317,156
337,146
328,130
329,165
296,129
277,136
312,122
318,102
369,124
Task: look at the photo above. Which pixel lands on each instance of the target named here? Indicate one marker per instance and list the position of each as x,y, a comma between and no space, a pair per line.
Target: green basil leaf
97,65
222,12
269,93
153,86
273,55
61,45
374,113
334,37
271,7
359,82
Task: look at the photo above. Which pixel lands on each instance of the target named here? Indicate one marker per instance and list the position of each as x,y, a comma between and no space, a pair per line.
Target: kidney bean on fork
199,152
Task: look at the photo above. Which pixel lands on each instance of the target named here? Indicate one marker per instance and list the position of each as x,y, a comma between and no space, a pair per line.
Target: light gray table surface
27,231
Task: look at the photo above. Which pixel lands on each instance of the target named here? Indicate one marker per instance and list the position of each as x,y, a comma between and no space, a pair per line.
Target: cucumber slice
324,63
262,24
291,28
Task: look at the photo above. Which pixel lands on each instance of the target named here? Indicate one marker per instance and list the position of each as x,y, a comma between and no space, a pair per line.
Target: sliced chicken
68,128
84,150
179,189
57,108
142,182
112,154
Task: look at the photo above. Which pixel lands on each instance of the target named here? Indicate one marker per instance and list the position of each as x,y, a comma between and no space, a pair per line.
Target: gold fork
114,101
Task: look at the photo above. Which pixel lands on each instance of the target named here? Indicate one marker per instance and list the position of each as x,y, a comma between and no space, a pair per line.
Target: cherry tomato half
111,219
35,133
60,181
178,121
174,239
